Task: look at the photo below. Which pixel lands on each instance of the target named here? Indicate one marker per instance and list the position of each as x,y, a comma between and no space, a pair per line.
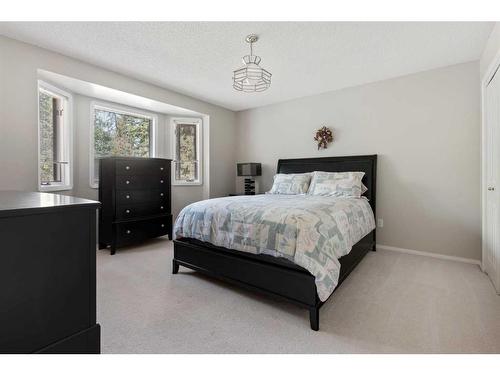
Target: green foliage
186,168
46,112
117,134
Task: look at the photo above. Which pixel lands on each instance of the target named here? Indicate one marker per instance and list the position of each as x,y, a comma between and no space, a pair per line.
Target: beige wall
424,127
18,126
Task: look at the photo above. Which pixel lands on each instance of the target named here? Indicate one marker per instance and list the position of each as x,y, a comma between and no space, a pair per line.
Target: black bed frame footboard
295,284
277,277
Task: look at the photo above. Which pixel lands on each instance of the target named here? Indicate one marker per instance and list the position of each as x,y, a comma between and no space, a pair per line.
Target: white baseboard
427,254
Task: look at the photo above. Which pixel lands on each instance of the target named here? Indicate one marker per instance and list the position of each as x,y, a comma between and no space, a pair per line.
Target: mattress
312,232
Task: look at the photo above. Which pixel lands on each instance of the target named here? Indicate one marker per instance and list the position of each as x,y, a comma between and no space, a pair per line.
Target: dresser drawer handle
127,182
127,168
127,196
161,194
161,181
161,207
129,231
161,168
163,225
127,211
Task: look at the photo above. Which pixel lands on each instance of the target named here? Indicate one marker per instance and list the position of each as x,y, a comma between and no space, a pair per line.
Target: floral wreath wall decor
323,136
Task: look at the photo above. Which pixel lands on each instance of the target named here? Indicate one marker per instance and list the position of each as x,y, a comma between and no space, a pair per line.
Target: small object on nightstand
249,170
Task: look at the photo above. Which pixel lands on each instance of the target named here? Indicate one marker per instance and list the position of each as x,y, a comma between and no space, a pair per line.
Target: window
54,138
119,132
187,151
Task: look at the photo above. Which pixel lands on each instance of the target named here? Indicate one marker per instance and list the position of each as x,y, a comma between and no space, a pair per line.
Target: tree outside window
46,116
117,133
187,155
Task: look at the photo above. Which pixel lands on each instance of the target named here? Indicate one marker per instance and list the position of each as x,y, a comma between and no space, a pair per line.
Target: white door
491,144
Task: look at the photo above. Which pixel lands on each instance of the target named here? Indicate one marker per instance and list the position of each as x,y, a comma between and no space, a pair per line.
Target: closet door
491,256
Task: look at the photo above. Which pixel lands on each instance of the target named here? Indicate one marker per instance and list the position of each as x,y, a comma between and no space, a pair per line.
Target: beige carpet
391,303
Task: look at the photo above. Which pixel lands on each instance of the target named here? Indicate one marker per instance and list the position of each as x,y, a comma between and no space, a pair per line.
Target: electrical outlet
380,223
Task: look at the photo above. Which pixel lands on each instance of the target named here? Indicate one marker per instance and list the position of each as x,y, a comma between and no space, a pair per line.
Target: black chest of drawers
135,196
47,274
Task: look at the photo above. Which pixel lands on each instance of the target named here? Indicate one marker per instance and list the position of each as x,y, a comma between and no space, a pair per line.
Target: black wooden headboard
363,163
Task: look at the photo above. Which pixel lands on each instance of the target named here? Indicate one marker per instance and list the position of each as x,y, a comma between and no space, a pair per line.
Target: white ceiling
197,58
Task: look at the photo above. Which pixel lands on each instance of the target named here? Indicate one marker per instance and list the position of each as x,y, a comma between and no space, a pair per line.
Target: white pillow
291,183
337,184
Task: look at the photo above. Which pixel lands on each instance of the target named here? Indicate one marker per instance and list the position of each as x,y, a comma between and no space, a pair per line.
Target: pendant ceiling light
251,77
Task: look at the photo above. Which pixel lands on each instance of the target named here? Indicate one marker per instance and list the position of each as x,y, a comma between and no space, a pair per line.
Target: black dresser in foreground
47,274
135,196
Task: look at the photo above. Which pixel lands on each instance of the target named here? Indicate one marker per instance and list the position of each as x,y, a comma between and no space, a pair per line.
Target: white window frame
199,148
67,136
122,109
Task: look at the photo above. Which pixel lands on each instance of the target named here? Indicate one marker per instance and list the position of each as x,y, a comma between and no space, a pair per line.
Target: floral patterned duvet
311,231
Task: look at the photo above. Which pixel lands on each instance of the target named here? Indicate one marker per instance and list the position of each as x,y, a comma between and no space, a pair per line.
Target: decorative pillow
337,184
292,183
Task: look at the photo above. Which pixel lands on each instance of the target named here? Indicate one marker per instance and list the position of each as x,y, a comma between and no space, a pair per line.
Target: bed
279,276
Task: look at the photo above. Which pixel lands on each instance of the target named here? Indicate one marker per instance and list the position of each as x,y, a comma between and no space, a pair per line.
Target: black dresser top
15,203
131,158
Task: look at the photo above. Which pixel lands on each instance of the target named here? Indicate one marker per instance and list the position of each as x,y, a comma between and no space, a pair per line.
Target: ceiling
305,58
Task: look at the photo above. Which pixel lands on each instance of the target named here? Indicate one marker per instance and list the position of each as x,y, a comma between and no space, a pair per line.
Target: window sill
199,183
49,188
